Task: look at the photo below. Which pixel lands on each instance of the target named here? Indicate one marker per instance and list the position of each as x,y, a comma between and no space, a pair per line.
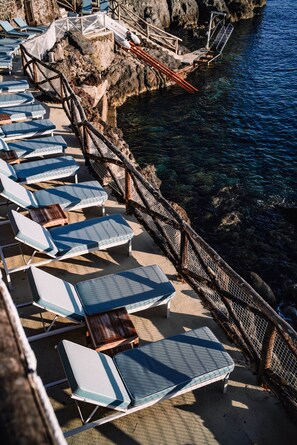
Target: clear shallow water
228,153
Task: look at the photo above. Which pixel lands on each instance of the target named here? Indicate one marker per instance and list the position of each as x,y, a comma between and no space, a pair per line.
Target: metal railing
268,340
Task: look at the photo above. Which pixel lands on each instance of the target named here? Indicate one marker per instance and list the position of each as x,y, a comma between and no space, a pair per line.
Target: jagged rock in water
231,219
188,13
262,288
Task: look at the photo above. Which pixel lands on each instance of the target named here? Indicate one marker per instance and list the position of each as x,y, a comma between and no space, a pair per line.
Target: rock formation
191,13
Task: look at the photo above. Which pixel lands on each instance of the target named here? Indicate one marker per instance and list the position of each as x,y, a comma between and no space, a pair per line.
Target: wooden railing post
128,191
267,350
183,260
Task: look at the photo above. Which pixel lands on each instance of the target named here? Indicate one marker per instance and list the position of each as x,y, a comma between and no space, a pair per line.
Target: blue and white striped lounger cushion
16,193
55,295
6,51
5,63
88,235
10,41
29,148
9,100
132,289
93,376
27,129
13,86
24,112
32,234
69,197
46,169
173,364
141,287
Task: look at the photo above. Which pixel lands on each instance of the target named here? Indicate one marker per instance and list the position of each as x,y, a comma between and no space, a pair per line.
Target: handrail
268,340
148,30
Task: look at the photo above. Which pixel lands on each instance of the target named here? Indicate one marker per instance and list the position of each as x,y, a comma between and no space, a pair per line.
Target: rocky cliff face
190,13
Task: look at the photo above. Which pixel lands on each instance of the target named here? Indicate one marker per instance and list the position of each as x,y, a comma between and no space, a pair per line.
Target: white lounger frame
25,266
87,424
48,332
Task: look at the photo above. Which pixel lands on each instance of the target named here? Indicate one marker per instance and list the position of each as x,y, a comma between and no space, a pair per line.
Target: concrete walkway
245,415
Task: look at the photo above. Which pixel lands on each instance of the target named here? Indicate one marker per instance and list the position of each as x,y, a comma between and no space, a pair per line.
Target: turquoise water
228,153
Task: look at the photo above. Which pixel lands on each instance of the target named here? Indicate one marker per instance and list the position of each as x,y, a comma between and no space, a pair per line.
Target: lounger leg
84,421
168,309
130,247
103,210
6,269
225,383
76,179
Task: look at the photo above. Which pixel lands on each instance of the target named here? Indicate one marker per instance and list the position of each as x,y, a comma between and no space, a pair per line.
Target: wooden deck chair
72,240
23,130
70,197
135,289
35,147
140,377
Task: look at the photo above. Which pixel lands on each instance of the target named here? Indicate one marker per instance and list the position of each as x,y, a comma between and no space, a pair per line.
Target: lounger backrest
16,193
3,144
8,170
55,295
20,22
6,26
32,234
93,376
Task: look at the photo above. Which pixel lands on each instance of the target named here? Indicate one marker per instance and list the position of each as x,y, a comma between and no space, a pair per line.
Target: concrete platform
246,415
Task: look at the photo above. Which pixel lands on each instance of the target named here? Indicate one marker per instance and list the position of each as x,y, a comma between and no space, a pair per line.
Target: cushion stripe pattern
132,289
172,364
90,234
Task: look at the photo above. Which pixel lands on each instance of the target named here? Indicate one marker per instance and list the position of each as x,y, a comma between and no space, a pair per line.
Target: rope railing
269,341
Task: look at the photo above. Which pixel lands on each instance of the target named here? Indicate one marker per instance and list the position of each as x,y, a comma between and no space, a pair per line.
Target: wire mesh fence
269,341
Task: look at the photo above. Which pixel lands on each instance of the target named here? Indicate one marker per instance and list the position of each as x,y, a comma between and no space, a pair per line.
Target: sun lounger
32,148
6,51
137,378
136,289
24,112
40,171
11,100
10,31
23,26
60,243
86,7
13,86
22,130
69,197
10,42
6,64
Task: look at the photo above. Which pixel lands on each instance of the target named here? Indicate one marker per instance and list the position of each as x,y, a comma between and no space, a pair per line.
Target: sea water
228,153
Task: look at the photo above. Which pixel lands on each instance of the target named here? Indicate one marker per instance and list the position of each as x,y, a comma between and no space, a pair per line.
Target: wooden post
267,350
183,261
128,191
35,73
